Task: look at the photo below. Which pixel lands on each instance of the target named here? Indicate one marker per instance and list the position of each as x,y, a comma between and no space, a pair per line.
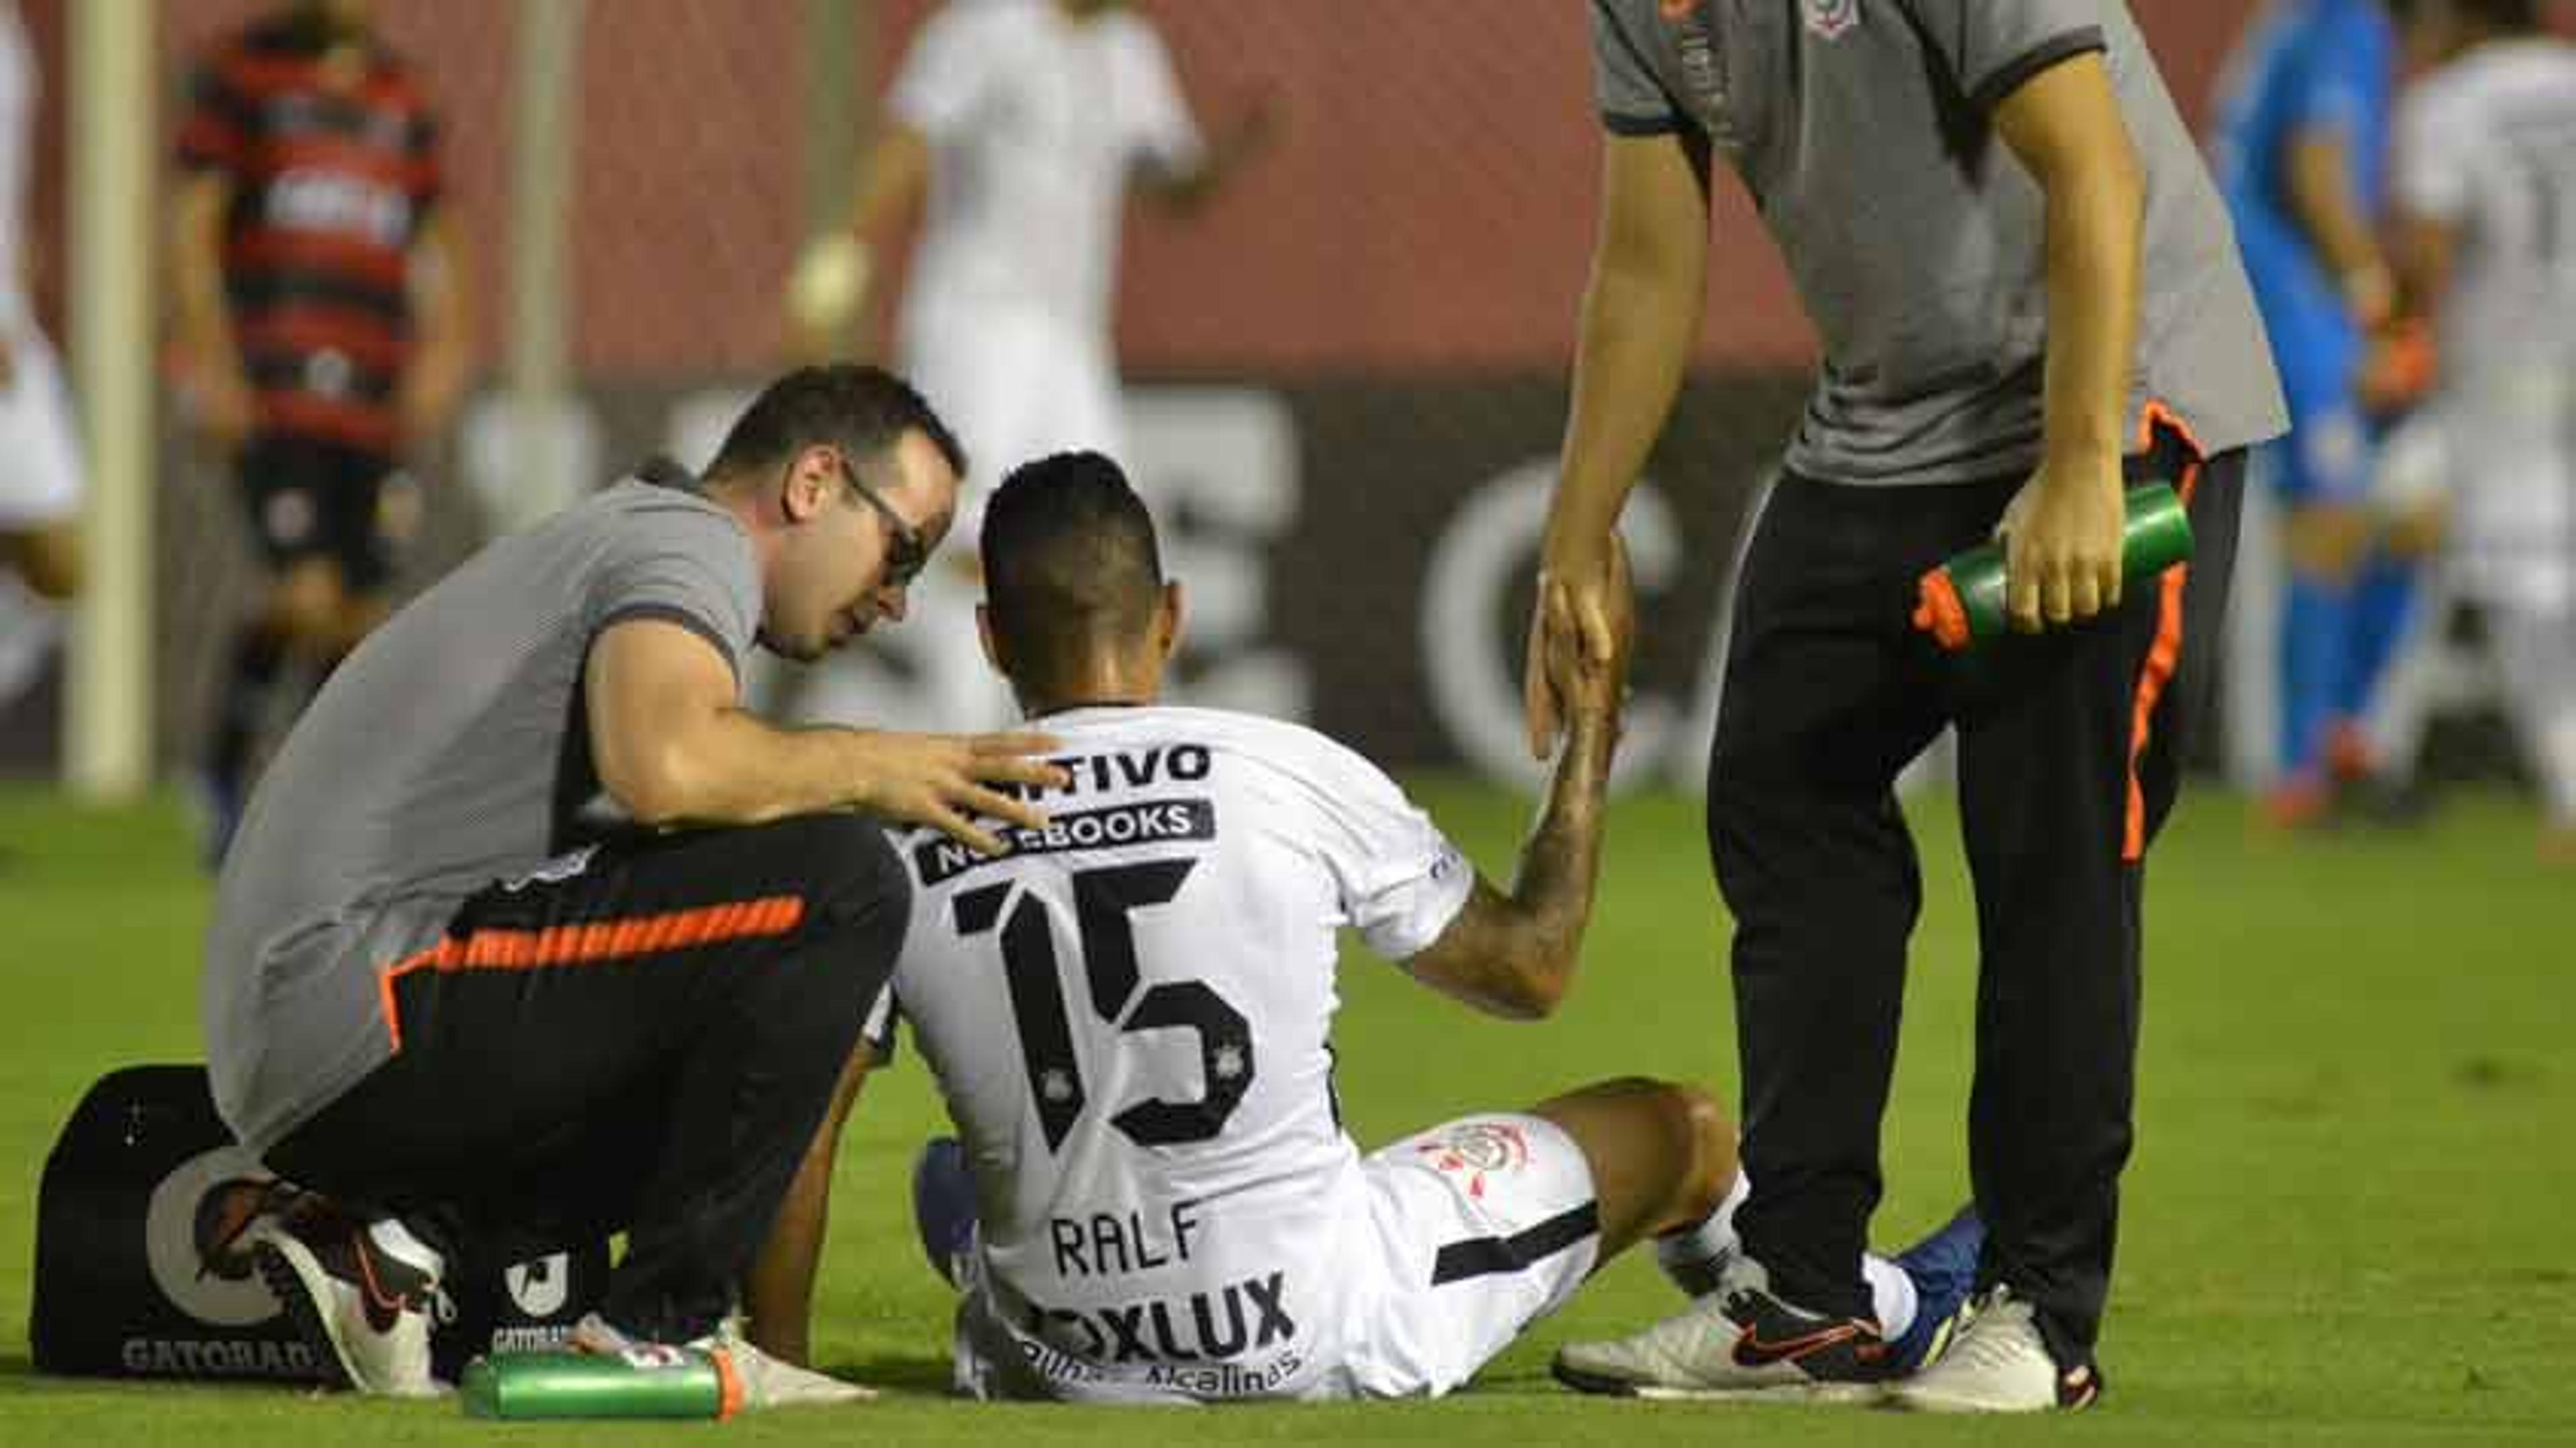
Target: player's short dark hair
1070,565
864,411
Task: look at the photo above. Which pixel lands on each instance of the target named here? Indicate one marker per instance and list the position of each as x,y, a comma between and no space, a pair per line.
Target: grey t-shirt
449,752
1917,241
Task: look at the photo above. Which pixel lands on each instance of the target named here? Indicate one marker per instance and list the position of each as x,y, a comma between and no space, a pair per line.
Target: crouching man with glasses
533,926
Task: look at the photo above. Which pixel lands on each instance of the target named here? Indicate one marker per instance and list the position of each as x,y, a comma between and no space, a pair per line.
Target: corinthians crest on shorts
1831,19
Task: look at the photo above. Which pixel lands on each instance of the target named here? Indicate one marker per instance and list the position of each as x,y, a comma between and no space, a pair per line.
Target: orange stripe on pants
591,942
2166,651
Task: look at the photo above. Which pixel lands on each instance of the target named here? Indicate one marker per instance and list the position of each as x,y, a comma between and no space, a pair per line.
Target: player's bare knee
1708,1135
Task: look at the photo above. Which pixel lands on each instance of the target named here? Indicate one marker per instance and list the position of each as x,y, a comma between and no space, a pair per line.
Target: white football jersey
2487,144
1034,119
1130,1017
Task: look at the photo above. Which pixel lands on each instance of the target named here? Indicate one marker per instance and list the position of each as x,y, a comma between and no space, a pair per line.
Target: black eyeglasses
909,551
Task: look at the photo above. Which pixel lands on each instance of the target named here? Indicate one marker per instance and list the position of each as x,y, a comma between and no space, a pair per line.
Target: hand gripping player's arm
1640,316
674,747
1514,955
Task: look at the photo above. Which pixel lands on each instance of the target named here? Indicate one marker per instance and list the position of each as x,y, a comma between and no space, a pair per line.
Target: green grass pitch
2345,1222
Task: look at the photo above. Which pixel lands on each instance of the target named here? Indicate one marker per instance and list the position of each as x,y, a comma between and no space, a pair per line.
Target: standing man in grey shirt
531,928
2025,287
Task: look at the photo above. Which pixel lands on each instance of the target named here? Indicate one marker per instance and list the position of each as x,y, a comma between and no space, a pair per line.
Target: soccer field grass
2344,1223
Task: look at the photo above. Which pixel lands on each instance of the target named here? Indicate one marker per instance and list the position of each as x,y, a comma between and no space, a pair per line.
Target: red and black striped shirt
334,168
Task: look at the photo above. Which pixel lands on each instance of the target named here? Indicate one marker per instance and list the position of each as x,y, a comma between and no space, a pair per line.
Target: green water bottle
1962,601
642,1382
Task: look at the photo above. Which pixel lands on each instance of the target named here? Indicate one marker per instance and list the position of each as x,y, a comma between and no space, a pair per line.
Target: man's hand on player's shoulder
946,781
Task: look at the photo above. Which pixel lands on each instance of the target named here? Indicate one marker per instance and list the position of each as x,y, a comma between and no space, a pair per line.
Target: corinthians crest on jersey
1831,19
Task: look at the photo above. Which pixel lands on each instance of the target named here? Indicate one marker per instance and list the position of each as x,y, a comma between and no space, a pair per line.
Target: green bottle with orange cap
1961,603
643,1381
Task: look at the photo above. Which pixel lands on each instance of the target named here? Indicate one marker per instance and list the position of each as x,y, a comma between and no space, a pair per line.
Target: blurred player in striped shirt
322,316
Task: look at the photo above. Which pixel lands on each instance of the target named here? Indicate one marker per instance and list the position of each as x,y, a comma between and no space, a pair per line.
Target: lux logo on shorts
1248,1316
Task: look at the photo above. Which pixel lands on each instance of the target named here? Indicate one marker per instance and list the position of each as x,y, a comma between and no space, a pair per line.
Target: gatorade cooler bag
142,1271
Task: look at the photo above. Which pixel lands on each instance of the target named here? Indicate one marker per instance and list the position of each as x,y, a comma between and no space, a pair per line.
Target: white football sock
1891,1295
1693,1257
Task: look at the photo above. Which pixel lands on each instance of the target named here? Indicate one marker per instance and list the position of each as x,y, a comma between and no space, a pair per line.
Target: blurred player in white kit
1021,122
40,474
2485,187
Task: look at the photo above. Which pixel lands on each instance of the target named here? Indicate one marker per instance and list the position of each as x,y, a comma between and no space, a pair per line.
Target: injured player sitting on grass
1153,1198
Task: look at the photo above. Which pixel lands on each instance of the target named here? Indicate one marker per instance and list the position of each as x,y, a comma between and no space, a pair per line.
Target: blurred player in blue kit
2302,156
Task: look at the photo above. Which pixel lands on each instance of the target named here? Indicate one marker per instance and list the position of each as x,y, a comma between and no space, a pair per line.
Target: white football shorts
1458,1238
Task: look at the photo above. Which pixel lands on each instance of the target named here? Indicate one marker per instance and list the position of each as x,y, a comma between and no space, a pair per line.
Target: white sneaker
361,1294
767,1382
1737,1342
1998,1363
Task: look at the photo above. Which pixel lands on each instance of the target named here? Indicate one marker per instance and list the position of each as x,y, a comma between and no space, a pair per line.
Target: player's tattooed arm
1514,954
